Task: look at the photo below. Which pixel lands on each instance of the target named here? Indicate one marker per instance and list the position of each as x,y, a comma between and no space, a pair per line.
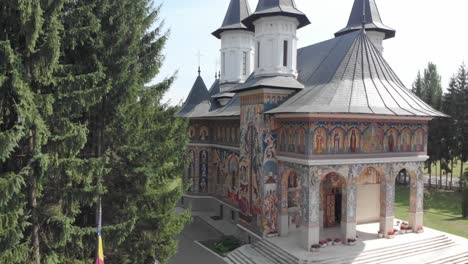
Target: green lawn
442,210
456,169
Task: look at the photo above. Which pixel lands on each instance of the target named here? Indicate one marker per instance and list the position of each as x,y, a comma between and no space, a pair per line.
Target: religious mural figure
406,140
336,143
300,145
191,170
353,142
203,133
373,139
391,142
191,132
419,140
203,181
320,139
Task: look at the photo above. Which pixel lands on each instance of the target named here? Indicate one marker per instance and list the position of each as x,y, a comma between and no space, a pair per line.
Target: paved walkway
190,252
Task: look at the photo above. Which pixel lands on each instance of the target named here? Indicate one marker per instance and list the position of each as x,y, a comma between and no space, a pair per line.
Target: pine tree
462,115
418,85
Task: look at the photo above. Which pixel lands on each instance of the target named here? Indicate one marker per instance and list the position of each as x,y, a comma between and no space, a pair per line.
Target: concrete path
191,252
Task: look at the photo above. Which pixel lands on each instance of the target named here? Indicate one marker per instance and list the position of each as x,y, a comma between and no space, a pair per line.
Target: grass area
442,210
456,169
223,245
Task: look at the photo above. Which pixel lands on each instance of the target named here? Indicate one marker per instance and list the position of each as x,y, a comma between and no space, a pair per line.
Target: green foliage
465,196
77,123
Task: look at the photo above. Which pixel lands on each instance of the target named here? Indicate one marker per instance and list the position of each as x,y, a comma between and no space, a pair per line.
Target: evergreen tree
465,197
141,137
462,115
418,85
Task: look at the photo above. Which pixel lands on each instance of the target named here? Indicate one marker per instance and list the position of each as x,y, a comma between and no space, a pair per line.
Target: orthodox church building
303,139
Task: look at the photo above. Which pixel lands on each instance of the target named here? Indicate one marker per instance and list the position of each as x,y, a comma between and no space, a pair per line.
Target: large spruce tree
78,123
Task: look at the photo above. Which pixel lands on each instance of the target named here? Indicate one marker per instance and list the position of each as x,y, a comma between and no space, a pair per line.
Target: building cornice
351,116
351,161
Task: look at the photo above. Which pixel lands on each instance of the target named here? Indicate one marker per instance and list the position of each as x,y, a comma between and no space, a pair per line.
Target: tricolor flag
100,249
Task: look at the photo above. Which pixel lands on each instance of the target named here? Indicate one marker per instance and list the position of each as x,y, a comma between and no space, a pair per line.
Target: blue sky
427,30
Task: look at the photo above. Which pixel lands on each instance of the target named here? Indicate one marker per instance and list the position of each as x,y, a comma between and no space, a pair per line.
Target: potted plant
391,235
323,243
409,230
315,248
337,241
402,230
352,241
329,241
420,229
380,234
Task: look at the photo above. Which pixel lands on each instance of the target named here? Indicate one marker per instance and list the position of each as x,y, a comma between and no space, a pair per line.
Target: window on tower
223,59
258,55
244,63
285,53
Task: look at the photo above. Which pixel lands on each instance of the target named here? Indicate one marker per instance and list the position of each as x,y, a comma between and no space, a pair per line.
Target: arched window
300,141
283,140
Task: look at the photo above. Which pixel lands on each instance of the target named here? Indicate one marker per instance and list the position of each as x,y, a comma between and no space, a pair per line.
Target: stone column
387,202
310,230
416,212
349,222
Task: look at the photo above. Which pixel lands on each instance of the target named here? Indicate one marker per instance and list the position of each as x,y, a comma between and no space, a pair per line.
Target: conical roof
277,8
369,15
198,100
238,10
361,83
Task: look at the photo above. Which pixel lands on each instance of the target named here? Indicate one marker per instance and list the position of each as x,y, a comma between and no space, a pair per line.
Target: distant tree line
448,137
78,122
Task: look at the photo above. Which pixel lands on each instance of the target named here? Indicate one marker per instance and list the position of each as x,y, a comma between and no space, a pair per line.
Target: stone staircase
265,252
394,253
262,252
461,258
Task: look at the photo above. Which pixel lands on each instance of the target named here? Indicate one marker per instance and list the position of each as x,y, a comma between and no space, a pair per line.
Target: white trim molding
351,161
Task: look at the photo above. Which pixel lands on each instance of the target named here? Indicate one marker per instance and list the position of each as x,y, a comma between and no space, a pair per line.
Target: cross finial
363,14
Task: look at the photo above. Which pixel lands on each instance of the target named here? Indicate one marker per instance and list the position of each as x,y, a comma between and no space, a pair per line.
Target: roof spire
267,8
199,71
216,75
238,10
366,12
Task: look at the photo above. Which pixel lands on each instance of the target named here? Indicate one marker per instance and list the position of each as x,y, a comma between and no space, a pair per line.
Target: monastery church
301,140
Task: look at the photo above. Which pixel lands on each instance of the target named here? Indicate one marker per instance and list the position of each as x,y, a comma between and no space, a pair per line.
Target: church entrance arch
332,195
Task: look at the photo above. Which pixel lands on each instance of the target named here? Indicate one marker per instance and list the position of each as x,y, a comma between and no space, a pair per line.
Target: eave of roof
237,11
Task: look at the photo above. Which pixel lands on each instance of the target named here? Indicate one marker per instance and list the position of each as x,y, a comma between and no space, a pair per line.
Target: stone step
284,253
392,250
459,258
255,256
420,251
245,257
275,254
238,257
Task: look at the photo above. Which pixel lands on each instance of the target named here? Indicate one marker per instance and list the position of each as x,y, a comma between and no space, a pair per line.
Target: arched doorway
332,196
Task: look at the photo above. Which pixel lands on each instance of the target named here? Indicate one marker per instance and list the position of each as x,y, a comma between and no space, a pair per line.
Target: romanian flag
100,249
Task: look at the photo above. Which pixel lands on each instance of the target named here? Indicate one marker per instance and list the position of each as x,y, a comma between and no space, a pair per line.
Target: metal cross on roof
199,55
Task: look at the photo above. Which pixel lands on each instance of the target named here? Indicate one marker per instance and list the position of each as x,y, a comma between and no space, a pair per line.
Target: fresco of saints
391,142
319,140
353,142
336,142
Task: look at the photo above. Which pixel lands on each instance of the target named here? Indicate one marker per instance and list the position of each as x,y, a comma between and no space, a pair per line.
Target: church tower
365,12
237,46
275,23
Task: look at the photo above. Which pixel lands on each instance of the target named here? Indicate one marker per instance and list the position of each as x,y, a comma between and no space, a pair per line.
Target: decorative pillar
284,216
349,225
387,202
416,213
310,230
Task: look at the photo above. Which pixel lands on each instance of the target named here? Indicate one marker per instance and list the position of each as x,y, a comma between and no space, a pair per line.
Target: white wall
368,203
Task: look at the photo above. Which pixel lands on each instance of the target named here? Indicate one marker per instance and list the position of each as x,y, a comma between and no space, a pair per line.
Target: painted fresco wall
335,137
226,164
259,176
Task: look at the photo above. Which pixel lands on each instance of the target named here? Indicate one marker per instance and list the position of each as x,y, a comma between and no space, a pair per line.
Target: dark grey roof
350,76
274,8
237,11
223,95
371,18
198,101
231,109
215,88
280,81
